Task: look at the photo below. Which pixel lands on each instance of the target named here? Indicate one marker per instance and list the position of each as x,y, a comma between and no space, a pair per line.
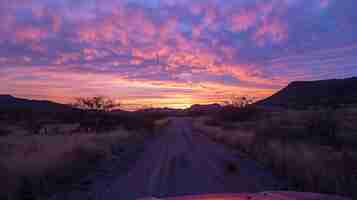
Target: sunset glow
172,53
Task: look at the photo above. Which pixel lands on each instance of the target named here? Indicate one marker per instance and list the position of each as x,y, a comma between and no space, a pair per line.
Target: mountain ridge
11,102
300,94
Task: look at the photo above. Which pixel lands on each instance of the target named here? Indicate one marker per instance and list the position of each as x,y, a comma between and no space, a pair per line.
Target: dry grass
33,164
162,122
283,143
239,138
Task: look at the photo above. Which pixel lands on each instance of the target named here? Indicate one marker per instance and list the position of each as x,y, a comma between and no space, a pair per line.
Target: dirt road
184,162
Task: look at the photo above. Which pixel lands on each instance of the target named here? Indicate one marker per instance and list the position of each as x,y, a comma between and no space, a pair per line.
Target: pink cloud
30,33
244,72
66,57
324,3
59,82
146,47
271,29
243,20
210,15
45,13
121,25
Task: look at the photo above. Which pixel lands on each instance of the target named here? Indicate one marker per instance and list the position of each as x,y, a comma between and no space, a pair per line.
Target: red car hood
258,196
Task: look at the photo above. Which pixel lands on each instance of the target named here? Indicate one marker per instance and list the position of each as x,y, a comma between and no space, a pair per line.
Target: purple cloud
250,46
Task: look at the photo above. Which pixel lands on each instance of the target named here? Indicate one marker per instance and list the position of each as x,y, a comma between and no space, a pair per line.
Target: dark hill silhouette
199,109
207,107
8,102
159,110
302,94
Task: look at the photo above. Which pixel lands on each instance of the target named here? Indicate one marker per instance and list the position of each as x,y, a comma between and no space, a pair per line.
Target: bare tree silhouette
97,104
97,108
239,108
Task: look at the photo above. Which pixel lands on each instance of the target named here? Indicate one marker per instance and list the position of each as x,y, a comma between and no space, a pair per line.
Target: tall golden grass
281,143
33,164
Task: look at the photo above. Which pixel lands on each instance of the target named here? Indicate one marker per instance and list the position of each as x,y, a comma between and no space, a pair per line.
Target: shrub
212,122
323,127
98,109
279,128
4,131
232,113
141,120
33,126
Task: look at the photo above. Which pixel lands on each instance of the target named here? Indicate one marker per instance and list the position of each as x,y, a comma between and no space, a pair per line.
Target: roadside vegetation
43,152
316,149
33,165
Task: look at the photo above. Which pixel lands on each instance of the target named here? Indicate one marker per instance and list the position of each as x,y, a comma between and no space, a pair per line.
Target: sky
172,53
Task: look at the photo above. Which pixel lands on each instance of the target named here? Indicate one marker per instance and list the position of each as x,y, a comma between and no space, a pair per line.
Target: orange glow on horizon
64,85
